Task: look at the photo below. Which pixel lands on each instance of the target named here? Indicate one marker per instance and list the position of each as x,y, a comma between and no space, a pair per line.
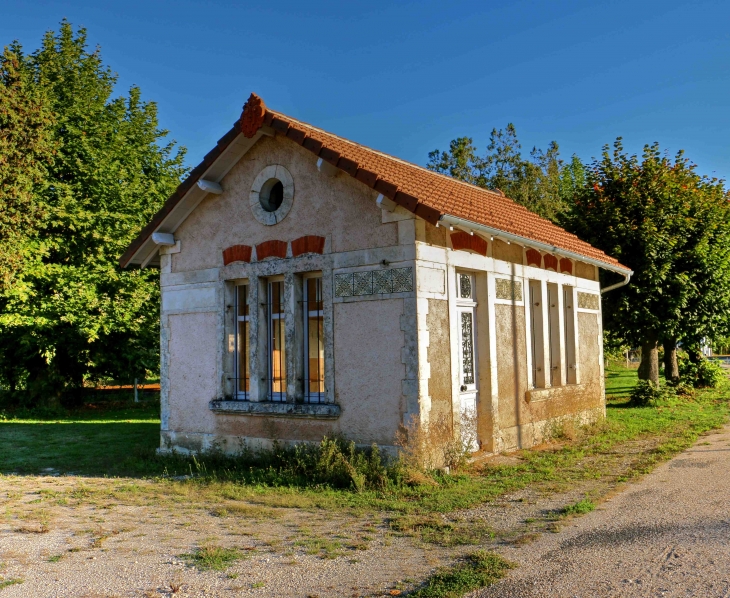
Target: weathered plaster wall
368,346
511,370
192,373
528,417
590,358
508,252
435,235
584,270
339,208
439,358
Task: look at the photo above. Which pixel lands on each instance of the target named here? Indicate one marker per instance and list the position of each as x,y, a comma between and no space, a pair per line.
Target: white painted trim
453,221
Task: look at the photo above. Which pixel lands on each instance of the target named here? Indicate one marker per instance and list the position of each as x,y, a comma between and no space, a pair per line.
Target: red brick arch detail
534,257
308,244
466,242
550,261
270,249
566,265
237,253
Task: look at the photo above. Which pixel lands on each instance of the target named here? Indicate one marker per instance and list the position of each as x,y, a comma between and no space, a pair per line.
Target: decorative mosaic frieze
374,282
508,289
588,301
402,280
362,283
343,285
382,282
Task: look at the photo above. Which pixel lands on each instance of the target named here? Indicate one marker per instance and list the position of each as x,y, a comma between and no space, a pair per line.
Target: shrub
646,393
701,374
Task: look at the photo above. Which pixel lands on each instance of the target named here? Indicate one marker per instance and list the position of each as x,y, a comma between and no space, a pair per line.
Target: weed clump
333,463
213,558
478,570
580,508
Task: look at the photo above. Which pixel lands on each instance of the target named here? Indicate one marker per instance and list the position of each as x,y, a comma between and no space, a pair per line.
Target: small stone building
312,286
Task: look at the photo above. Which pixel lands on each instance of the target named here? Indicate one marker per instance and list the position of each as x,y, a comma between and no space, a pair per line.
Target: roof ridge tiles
446,177
429,194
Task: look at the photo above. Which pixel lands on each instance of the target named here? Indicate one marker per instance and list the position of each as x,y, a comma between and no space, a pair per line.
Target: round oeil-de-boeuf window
272,194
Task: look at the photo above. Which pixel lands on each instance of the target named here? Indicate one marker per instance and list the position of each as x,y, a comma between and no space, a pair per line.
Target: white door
468,378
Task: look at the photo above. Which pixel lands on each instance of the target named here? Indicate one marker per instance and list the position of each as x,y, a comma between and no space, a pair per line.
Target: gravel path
667,535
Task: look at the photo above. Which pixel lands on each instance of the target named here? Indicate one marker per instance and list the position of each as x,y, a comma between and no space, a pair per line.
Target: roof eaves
178,195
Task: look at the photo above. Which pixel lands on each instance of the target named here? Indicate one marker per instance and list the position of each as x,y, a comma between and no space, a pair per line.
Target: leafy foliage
544,183
646,393
702,373
72,315
26,152
672,227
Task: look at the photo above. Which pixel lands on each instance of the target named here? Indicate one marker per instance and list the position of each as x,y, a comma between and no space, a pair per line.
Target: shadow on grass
93,441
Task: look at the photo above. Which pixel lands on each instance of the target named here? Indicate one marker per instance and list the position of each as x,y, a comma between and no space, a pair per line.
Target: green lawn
122,442
619,381
93,441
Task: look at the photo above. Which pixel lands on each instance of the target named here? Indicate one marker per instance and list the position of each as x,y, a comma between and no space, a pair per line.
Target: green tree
26,152
460,162
73,315
543,183
672,227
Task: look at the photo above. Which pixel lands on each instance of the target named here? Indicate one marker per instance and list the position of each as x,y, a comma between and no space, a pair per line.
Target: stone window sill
553,393
278,409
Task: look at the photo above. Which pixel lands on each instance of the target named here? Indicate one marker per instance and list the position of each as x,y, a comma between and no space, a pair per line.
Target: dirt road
667,535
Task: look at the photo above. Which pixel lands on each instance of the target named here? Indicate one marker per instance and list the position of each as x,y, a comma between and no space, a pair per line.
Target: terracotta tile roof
427,194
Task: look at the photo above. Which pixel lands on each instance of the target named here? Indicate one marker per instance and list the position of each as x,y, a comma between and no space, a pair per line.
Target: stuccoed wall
339,208
439,358
372,339
529,417
368,344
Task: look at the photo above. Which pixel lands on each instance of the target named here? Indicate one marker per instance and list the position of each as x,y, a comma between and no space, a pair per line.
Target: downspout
624,282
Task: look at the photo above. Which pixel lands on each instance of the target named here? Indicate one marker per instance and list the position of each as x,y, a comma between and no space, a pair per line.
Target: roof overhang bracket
386,204
210,186
163,239
326,168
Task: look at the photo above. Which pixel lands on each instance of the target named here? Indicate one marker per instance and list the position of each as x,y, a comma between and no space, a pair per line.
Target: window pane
243,300
242,342
278,348
465,286
314,294
243,357
467,348
277,297
314,348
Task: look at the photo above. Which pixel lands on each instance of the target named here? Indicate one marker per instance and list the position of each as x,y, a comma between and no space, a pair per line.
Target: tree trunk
649,366
671,368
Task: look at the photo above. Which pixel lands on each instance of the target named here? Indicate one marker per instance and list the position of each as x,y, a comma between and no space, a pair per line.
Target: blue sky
407,77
